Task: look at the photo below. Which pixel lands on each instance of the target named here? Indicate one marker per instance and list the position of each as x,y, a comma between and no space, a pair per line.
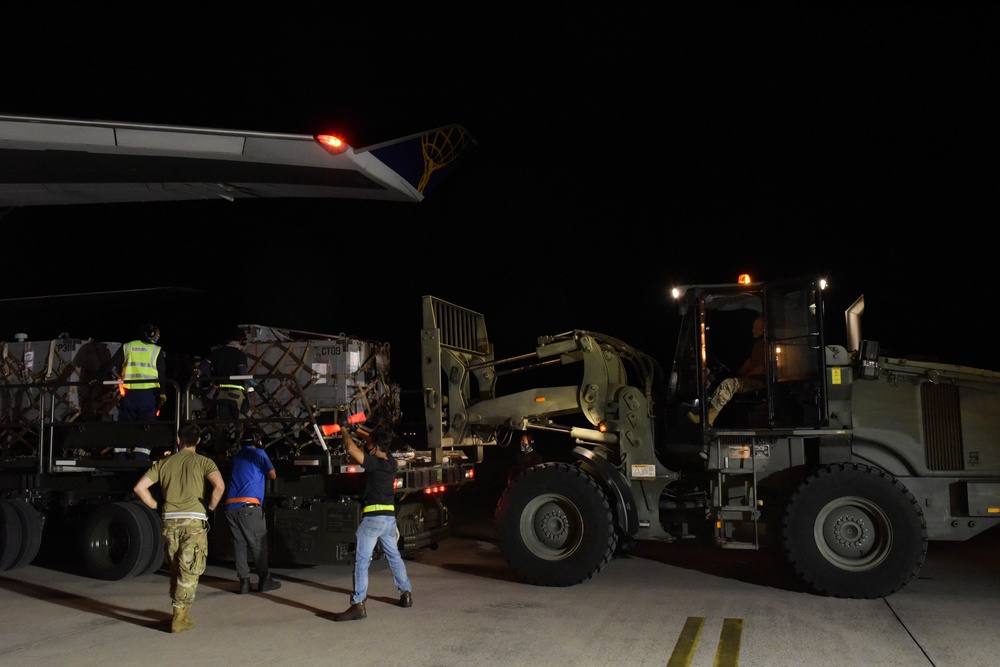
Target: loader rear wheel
554,525
852,531
117,540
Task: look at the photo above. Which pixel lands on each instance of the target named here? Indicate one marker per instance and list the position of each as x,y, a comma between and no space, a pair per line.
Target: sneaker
406,599
268,583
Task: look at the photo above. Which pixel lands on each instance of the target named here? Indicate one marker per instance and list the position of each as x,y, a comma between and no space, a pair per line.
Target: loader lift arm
460,375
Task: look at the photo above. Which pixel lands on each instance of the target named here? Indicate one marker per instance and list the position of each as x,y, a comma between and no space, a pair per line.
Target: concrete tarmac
664,605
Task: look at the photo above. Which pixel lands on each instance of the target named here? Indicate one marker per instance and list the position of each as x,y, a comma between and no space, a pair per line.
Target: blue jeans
381,529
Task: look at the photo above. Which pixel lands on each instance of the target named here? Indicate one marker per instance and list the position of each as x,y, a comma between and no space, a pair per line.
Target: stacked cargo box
51,377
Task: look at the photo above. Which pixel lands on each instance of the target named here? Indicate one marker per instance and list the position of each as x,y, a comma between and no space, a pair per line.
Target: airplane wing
47,161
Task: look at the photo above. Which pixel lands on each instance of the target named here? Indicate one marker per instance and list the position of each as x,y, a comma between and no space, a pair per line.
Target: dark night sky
617,154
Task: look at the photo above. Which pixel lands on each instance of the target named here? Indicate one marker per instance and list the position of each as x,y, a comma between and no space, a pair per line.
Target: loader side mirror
868,368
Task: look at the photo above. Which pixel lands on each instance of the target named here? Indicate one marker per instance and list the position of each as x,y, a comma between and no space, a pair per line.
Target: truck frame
58,421
848,461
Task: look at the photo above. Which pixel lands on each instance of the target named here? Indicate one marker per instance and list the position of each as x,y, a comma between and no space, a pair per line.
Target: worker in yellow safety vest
139,364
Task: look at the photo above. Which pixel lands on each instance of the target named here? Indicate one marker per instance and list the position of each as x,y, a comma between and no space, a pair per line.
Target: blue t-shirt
246,480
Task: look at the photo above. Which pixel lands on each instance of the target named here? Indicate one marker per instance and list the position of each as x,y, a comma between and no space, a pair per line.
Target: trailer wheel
554,525
157,554
31,532
852,531
10,535
117,539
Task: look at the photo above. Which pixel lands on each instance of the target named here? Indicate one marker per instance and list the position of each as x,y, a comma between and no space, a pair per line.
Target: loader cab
715,339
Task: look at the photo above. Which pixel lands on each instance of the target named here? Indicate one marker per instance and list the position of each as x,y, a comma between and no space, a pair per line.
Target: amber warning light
744,279
333,144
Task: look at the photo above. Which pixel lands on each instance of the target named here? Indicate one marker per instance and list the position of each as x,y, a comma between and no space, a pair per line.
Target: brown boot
354,613
182,620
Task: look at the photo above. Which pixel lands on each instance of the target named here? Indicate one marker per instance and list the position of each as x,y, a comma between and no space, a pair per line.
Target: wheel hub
850,532
553,525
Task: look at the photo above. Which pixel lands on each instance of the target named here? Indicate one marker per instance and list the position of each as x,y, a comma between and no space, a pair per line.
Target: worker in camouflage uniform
182,477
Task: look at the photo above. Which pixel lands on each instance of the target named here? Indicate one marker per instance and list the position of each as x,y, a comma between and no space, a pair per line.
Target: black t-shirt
379,475
227,360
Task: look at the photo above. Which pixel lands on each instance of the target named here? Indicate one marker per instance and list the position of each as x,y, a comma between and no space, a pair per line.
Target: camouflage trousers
732,386
186,542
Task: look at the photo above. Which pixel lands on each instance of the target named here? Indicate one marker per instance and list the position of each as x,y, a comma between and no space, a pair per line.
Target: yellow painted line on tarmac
726,655
686,643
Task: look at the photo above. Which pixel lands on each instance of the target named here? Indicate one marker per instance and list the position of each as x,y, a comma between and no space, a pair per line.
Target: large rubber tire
10,535
117,540
157,553
554,525
31,532
852,531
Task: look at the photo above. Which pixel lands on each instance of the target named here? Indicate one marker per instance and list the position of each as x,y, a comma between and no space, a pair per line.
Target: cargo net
39,379
303,384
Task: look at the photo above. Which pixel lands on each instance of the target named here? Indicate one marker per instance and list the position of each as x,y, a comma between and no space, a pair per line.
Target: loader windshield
723,328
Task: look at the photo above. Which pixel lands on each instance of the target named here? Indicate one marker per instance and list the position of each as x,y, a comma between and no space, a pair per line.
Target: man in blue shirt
245,511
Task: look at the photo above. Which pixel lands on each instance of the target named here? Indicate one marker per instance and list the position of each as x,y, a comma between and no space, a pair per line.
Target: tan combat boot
182,620
696,418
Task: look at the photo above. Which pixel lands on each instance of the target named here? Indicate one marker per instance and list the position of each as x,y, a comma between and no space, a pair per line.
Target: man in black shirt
378,523
222,363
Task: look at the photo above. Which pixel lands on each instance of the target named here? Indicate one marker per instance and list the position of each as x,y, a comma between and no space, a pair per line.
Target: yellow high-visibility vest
140,364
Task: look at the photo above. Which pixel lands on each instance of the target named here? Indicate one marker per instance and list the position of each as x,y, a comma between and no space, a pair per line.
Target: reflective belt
377,508
231,386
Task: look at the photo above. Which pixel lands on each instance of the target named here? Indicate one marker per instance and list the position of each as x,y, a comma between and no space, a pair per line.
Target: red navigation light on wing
333,144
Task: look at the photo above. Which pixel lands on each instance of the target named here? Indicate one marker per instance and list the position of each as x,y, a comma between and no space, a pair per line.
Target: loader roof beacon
58,420
848,461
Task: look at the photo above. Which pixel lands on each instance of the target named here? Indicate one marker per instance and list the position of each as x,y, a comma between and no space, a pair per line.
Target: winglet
423,159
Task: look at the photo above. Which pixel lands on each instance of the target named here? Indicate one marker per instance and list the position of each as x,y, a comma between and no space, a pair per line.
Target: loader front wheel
852,531
554,525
